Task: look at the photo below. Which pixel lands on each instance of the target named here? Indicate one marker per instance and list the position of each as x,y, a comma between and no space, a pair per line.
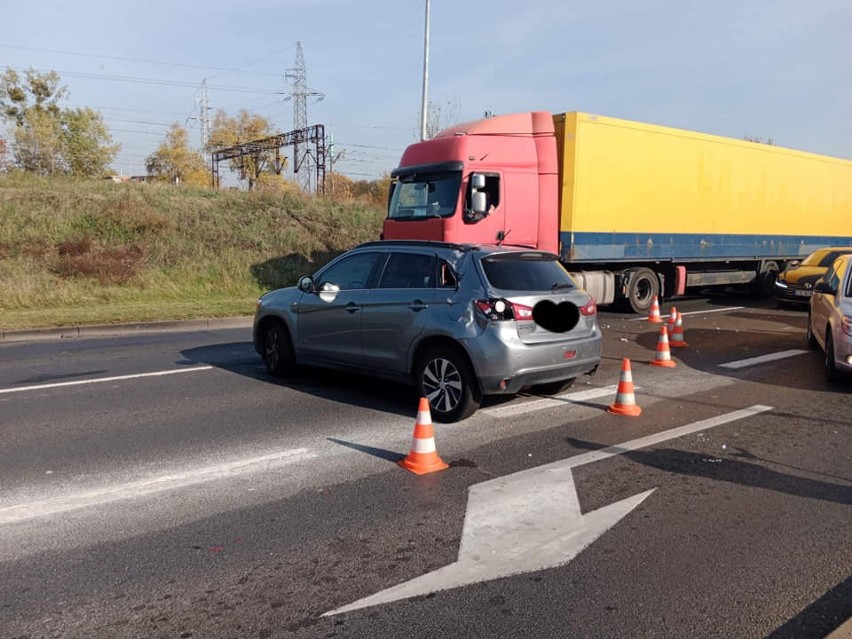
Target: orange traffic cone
625,401
423,457
677,334
654,314
663,356
672,319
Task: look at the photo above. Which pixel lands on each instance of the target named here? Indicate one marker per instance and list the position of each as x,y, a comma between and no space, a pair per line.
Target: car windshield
823,257
421,196
527,271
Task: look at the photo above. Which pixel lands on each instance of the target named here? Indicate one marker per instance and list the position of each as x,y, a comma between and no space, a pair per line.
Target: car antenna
501,236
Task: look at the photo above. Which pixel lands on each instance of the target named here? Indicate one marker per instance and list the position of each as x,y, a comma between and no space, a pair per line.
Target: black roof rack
420,243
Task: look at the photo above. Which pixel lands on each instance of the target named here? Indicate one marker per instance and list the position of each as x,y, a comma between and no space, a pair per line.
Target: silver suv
456,321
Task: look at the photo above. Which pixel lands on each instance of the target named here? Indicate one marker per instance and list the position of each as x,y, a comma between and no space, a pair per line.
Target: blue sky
779,69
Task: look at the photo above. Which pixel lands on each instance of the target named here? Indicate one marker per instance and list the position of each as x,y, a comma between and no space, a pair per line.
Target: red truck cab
461,185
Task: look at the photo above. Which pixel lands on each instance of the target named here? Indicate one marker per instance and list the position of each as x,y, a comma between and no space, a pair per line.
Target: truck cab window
424,196
491,189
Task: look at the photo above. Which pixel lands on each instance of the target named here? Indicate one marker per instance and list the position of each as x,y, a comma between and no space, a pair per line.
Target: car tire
278,350
831,372
809,334
445,377
553,388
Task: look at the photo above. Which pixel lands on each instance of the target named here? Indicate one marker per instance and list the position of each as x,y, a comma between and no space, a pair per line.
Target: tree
47,139
36,91
228,131
88,148
440,117
759,140
173,161
4,161
38,144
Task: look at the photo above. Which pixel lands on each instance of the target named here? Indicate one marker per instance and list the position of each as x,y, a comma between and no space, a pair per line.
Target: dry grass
111,252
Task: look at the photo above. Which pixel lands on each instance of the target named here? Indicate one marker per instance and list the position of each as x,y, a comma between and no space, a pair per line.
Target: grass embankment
97,252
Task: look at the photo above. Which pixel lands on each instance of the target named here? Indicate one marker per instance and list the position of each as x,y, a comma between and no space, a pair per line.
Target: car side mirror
824,287
306,284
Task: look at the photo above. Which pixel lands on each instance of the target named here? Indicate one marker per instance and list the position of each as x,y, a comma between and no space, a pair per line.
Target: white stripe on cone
424,417
423,445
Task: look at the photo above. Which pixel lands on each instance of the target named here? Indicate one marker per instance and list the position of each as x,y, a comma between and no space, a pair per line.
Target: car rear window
526,272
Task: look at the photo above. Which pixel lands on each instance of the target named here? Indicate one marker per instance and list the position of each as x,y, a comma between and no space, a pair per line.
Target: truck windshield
420,196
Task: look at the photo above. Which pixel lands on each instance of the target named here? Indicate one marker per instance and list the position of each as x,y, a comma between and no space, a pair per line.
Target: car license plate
803,293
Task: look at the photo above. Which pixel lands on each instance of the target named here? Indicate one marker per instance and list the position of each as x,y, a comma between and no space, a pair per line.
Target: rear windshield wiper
562,285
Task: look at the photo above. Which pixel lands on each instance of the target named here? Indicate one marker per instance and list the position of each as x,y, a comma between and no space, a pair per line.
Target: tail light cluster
589,309
501,309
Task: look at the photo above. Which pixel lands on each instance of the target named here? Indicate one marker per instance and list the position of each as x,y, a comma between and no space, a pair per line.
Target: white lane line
150,486
99,380
711,310
753,361
551,402
650,440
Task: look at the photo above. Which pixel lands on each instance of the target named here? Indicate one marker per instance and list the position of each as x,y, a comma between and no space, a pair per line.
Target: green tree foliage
374,192
46,139
38,144
36,91
229,131
4,158
173,161
87,144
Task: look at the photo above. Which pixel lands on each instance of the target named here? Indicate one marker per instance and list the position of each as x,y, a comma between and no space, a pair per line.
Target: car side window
839,273
848,292
353,272
832,276
447,275
409,270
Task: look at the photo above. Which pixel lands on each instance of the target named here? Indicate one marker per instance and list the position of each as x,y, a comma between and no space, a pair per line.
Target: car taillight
500,310
846,325
589,309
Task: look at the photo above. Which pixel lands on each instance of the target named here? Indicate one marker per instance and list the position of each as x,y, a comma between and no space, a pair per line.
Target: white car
830,317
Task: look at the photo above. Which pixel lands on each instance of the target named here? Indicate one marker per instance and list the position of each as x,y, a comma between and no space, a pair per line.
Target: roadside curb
106,330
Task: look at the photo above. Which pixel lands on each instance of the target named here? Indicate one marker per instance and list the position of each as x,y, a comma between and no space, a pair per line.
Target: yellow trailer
693,209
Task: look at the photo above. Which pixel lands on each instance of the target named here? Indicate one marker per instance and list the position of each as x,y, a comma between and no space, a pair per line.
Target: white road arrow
531,520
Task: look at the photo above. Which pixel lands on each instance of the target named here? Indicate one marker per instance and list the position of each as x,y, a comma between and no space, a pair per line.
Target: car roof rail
420,243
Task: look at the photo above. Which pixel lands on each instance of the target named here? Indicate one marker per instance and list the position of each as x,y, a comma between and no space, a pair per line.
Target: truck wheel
642,286
764,284
447,380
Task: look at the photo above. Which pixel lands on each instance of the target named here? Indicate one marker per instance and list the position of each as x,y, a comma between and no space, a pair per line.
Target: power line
161,62
157,81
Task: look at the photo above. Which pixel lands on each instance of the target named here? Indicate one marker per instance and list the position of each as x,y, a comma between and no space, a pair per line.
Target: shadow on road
352,389
820,618
734,471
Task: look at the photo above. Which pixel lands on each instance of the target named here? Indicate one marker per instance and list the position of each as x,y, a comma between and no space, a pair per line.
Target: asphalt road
161,485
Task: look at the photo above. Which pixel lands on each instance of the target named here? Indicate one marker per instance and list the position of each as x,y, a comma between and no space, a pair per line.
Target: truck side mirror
478,197
478,202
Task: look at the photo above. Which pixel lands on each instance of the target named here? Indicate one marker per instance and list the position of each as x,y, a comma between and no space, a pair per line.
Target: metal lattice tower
299,95
204,115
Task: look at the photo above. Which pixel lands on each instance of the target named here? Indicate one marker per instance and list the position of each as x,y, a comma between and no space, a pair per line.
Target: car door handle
352,307
417,306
